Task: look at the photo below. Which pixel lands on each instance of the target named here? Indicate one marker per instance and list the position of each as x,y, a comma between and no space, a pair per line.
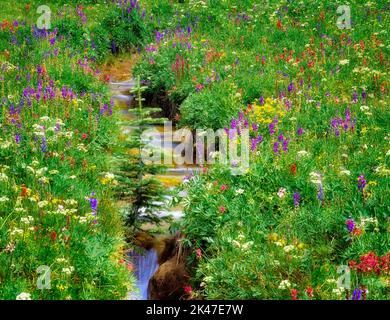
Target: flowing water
145,263
174,175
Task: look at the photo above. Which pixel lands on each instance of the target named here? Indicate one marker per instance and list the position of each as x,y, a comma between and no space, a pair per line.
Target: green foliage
137,185
127,30
210,108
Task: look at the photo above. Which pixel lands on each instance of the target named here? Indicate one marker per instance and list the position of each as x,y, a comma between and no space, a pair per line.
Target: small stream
146,261
146,264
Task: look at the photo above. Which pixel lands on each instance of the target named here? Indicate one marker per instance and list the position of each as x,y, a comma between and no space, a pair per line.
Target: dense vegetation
57,130
314,97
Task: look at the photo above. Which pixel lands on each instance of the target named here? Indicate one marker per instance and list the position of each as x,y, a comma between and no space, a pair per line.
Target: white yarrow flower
24,296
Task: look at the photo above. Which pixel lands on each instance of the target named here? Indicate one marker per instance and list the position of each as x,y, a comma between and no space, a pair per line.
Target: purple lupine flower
364,95
347,119
44,145
285,145
255,142
355,97
350,225
240,116
255,127
361,183
64,92
233,124
300,131
18,138
357,293
271,127
297,198
290,87
39,69
280,137
261,100
94,203
276,148
159,36
320,194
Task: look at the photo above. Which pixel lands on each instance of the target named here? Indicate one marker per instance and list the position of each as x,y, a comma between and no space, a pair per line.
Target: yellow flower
267,112
273,236
55,201
61,287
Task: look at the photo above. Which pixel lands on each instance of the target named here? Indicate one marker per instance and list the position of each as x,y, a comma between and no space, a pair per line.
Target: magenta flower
297,198
361,183
350,225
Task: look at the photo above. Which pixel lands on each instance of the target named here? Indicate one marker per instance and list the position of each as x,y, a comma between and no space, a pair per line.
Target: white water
145,261
146,264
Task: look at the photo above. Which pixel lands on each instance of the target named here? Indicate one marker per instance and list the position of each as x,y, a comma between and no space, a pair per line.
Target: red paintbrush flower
53,235
294,294
293,169
24,191
279,25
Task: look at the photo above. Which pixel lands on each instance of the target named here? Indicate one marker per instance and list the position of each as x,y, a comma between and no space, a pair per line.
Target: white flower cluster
4,144
61,210
3,177
285,284
68,270
282,193
24,296
316,178
16,232
27,220
241,244
4,199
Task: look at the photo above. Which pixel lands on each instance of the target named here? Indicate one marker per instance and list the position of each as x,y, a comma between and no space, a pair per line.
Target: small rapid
145,264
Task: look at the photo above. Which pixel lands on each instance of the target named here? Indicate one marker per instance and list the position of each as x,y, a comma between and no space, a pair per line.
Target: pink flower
282,192
198,253
188,289
222,209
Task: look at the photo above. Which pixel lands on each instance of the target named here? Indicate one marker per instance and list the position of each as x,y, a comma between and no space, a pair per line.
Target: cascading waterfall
146,264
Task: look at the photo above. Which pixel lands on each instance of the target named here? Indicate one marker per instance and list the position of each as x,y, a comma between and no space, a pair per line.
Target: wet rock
145,240
166,249
166,246
169,280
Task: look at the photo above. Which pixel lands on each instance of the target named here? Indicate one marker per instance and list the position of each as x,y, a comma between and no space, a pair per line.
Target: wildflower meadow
272,182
